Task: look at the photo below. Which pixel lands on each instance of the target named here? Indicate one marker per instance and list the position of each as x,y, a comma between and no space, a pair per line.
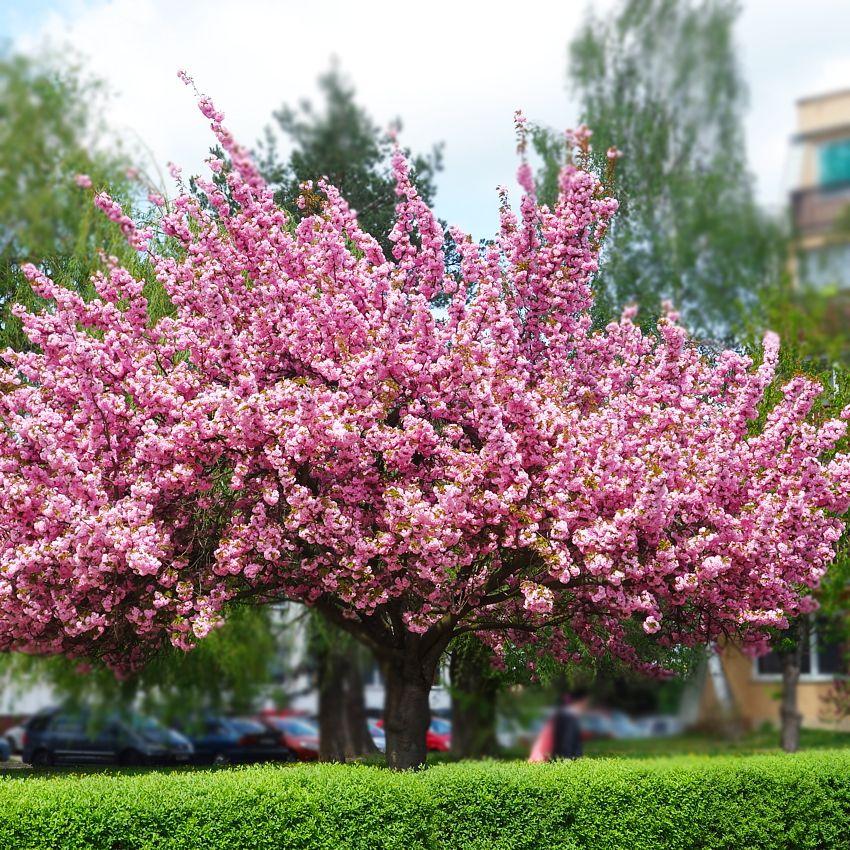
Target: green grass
762,741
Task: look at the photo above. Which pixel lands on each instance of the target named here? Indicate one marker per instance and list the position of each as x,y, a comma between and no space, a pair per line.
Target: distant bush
800,801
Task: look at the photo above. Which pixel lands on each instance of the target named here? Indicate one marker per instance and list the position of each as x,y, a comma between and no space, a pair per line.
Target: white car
661,725
513,732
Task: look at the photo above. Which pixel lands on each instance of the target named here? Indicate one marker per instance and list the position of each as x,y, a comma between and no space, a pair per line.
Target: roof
811,98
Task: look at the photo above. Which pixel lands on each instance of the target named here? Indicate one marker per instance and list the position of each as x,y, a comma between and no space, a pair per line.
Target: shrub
800,801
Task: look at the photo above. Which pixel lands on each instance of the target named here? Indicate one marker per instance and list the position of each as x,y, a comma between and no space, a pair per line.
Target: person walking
560,737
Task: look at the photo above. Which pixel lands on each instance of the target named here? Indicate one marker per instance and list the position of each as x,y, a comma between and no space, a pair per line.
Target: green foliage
49,133
617,686
340,141
812,324
226,671
609,679
659,80
759,802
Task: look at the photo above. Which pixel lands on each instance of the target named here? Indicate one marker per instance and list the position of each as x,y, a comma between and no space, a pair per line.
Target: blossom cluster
305,424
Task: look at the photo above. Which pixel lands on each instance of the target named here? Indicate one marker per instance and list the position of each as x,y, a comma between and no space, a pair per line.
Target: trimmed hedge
776,801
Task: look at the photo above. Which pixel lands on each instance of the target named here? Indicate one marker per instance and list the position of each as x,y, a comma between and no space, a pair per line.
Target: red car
296,732
439,735
438,738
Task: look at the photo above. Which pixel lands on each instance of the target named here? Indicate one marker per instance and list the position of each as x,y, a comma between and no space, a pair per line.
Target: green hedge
746,803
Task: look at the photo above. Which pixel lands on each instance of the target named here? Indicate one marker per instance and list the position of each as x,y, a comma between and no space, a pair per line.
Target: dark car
5,750
233,740
60,736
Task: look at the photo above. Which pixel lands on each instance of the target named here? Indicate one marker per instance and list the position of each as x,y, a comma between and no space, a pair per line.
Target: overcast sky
454,71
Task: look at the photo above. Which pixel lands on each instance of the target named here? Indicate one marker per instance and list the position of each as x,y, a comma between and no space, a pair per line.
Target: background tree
339,140
49,133
339,662
660,81
228,673
475,687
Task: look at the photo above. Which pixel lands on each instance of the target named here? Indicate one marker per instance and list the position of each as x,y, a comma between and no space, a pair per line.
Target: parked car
661,725
233,740
5,750
439,735
595,724
605,723
435,742
297,733
378,734
14,735
623,726
59,736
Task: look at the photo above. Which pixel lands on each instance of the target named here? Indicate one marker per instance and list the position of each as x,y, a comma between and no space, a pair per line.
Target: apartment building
820,197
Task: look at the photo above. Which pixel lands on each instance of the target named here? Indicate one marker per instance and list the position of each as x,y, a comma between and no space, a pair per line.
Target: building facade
820,195
747,690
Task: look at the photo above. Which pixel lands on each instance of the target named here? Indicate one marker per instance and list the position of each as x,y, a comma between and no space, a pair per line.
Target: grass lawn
763,741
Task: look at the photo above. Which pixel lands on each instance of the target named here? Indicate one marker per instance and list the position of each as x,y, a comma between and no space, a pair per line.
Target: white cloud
788,50
454,71
834,74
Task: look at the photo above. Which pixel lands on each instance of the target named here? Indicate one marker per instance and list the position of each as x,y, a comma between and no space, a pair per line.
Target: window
68,724
834,162
39,723
823,657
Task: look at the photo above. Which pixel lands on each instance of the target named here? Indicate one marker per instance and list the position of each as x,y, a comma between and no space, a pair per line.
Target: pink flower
651,625
580,137
537,598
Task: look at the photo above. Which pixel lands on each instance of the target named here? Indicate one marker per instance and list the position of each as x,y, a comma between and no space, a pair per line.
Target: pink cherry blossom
306,425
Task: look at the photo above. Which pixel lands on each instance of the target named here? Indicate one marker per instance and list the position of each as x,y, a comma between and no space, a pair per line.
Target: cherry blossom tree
306,425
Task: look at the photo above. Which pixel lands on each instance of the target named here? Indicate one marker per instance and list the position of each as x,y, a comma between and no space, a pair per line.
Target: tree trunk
343,733
407,712
474,688
360,741
789,714
408,661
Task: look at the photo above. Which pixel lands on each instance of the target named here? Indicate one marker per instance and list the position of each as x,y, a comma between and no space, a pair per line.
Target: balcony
816,212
